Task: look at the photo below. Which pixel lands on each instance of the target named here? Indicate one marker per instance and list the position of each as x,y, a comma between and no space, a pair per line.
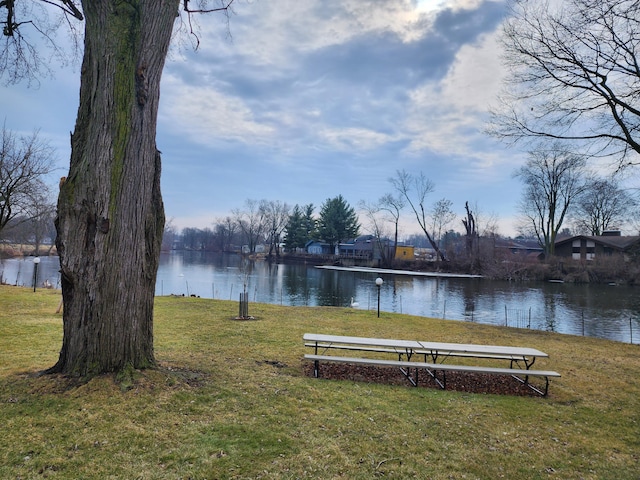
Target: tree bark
110,212
471,234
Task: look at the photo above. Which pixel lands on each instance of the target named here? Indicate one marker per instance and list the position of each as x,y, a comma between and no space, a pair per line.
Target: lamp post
379,283
36,261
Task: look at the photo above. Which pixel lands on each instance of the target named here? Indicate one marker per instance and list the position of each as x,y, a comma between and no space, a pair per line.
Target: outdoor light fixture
379,283
36,261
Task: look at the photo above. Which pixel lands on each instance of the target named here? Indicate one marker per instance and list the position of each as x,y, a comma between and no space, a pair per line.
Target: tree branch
71,8
225,7
575,75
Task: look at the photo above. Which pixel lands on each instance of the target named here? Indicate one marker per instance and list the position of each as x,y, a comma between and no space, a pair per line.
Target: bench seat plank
433,368
445,354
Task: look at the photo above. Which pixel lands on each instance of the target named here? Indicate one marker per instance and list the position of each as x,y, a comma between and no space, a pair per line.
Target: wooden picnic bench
434,353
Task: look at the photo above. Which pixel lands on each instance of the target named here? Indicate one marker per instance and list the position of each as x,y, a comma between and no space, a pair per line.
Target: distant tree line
275,224
272,223
560,194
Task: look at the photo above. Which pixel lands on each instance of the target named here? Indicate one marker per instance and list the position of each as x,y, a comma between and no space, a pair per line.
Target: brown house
584,247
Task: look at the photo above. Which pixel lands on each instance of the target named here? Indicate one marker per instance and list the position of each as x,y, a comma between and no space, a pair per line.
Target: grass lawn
230,399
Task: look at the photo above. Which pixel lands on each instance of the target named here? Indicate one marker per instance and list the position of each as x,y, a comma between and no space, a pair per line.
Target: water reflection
595,310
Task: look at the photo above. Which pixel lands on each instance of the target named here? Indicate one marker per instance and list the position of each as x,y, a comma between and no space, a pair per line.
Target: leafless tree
225,230
375,218
471,231
414,189
41,212
251,221
442,215
169,235
481,231
574,75
603,206
553,179
393,206
24,163
276,216
30,38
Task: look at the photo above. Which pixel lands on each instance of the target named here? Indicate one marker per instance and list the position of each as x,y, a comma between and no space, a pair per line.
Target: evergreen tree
295,236
310,224
301,227
338,221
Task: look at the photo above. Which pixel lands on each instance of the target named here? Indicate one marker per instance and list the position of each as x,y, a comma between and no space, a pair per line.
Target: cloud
316,99
339,69
208,116
349,139
448,116
305,100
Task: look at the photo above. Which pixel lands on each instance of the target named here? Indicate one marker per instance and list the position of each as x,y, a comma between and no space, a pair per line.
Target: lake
604,311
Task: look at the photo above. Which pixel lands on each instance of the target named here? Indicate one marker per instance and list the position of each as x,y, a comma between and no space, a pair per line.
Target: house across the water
585,247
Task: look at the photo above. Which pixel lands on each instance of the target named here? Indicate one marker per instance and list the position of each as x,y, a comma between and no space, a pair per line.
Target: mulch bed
458,381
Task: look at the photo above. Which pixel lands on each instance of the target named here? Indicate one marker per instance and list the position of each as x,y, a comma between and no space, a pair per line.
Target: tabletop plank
376,342
441,348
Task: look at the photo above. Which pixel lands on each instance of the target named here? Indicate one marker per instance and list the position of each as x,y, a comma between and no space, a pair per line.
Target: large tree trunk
110,212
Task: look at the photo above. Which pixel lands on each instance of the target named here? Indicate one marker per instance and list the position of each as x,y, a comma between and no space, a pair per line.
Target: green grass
230,400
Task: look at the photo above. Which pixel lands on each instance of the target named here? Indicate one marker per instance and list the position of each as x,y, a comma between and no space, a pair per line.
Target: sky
301,101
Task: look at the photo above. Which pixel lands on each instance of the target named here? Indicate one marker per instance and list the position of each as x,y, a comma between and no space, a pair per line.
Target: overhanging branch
11,26
225,6
68,7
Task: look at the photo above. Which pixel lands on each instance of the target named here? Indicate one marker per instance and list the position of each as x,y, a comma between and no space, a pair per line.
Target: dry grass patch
231,399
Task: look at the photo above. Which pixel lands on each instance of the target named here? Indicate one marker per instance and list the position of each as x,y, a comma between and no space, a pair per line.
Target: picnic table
436,357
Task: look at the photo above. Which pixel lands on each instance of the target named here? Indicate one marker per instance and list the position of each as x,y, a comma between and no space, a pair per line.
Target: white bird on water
354,304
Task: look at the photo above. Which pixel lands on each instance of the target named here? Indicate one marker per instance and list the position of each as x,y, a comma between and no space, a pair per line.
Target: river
604,311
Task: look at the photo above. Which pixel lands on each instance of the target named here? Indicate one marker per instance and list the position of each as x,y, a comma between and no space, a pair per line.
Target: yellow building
404,252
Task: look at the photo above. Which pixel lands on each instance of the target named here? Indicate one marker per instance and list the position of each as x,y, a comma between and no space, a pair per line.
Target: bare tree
481,231
414,189
41,211
24,162
110,211
553,179
375,216
169,235
393,206
442,215
603,206
471,231
226,230
575,75
251,221
276,216
25,58
200,239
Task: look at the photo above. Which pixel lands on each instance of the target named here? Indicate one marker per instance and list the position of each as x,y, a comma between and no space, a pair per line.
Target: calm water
595,310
